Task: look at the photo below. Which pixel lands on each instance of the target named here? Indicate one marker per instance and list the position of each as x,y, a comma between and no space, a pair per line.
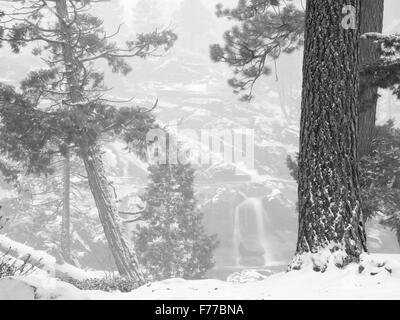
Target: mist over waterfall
251,234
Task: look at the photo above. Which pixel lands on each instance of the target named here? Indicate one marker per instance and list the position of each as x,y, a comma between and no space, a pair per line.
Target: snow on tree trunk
330,217
121,248
371,20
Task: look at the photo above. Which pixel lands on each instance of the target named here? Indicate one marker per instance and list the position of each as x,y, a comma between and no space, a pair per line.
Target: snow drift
376,277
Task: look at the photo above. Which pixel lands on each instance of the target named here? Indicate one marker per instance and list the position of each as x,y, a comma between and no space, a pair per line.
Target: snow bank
38,288
376,277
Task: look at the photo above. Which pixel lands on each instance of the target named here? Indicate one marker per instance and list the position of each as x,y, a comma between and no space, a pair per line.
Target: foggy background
193,90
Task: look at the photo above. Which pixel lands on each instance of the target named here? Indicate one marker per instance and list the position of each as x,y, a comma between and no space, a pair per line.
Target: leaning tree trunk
371,20
121,248
123,253
330,216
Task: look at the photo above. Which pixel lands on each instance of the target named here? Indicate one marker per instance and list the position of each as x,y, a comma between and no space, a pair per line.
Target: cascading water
250,234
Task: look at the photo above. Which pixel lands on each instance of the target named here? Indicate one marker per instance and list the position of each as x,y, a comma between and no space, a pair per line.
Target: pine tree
385,72
380,177
70,41
267,28
171,240
331,230
264,30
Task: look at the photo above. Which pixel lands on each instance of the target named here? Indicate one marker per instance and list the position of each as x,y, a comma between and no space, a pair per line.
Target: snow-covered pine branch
43,260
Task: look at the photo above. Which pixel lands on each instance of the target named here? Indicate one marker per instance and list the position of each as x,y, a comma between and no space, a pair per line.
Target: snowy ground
378,278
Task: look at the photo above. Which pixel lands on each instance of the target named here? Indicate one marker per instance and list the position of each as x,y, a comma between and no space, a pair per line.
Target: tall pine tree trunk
61,8
122,249
330,217
371,20
123,253
66,216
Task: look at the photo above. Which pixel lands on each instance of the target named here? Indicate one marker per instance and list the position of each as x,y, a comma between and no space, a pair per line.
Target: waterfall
250,234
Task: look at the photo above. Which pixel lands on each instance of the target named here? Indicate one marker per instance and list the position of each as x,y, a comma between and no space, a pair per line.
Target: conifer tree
331,228
171,240
264,30
63,106
379,168
380,175
267,28
385,72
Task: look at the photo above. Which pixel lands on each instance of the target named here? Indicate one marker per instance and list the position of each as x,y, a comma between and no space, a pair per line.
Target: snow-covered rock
245,277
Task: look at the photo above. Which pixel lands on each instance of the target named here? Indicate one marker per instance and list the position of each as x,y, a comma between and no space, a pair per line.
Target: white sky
170,6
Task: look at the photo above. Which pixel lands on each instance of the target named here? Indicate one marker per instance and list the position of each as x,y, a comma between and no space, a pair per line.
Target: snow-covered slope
377,277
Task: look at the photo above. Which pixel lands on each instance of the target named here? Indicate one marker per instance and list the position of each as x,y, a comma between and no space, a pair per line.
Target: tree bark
330,217
66,216
122,249
123,253
71,67
61,7
371,20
